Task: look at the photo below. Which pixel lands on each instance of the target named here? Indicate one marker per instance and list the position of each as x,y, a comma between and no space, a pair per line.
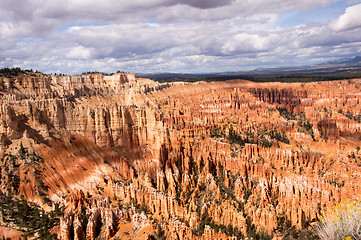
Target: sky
188,36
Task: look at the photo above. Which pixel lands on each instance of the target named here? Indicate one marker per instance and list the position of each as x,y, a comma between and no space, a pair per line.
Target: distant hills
345,68
352,61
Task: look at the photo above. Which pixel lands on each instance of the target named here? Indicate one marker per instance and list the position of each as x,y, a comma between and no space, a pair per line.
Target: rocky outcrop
128,156
96,218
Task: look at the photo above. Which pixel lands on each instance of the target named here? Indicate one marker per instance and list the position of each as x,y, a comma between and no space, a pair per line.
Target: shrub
341,222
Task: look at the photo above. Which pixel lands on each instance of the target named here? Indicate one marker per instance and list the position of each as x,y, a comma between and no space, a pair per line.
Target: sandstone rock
203,160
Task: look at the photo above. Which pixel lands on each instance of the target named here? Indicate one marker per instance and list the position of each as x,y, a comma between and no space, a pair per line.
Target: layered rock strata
185,161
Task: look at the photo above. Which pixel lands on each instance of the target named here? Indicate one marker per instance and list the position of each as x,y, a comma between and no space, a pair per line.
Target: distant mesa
354,60
343,68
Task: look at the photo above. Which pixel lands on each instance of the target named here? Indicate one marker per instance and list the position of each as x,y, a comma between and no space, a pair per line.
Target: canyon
130,158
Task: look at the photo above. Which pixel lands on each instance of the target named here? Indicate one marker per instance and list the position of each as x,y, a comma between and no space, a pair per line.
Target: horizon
290,70
176,37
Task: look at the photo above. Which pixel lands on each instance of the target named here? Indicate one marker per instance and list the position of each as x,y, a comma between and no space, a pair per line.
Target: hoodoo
98,156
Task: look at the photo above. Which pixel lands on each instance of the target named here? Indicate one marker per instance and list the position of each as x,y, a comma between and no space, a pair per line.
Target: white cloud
80,53
183,35
351,19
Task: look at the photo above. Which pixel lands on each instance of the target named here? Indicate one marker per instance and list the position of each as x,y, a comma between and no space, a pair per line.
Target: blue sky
322,14
175,35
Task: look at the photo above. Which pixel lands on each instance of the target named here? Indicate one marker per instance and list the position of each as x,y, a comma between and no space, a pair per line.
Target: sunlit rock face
133,158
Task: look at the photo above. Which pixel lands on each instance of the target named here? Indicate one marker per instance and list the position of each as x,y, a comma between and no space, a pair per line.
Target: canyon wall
131,158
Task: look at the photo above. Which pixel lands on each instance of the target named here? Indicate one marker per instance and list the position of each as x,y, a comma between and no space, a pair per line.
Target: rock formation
131,158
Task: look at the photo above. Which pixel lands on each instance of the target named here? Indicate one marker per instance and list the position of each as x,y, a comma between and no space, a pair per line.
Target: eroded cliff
130,158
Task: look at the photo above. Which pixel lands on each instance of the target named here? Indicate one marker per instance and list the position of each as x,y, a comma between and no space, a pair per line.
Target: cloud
167,35
204,4
124,40
351,19
115,11
79,53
